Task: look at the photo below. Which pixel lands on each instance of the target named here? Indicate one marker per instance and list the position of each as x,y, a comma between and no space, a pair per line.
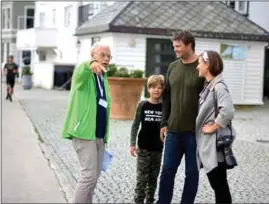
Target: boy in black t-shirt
11,71
149,151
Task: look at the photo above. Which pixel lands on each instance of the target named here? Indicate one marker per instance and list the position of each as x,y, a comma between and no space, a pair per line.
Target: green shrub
137,74
122,72
26,70
113,71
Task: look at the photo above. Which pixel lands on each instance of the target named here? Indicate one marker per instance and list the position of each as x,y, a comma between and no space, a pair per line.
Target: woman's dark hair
213,59
186,37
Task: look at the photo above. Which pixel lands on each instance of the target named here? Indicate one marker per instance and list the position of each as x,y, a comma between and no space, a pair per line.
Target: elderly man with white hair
87,119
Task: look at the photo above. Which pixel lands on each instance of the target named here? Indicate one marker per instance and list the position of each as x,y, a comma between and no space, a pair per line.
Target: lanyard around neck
100,87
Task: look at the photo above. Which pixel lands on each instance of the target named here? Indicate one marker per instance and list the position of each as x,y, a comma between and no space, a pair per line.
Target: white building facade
136,44
244,77
12,13
52,42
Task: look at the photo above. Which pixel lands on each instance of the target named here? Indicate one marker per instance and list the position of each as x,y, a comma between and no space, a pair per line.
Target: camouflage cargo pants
148,168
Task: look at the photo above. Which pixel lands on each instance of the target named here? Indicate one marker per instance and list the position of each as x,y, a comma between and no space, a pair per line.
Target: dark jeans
175,146
218,181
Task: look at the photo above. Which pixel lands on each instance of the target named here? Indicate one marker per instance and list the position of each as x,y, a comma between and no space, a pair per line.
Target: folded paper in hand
107,160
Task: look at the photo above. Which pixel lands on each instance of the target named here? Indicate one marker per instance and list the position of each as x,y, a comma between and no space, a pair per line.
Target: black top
101,115
149,116
12,69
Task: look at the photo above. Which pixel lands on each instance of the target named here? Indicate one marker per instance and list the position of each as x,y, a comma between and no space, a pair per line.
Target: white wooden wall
244,78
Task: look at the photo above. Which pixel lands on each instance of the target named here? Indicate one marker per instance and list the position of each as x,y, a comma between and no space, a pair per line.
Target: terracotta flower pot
125,94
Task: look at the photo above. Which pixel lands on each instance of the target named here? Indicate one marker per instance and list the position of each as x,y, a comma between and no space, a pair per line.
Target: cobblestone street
249,181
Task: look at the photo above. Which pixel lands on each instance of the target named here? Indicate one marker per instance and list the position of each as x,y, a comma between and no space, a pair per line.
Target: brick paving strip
249,181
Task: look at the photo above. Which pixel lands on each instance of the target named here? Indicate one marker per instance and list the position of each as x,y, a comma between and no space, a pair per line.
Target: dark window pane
157,59
157,70
83,14
167,58
157,47
26,57
31,12
232,4
30,18
95,39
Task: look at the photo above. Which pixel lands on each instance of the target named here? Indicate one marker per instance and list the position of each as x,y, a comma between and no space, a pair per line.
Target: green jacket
80,119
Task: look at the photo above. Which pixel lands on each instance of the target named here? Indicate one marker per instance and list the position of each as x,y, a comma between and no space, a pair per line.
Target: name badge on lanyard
101,102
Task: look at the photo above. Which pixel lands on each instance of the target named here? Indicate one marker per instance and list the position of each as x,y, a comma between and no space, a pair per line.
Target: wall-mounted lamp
78,44
78,49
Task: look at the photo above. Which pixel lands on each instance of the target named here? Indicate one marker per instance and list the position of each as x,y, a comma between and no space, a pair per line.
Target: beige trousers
90,155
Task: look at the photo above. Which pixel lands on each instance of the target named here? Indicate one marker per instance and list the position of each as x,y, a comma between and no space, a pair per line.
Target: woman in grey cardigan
207,123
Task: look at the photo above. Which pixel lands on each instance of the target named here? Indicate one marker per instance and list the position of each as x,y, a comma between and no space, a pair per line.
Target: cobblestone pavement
249,181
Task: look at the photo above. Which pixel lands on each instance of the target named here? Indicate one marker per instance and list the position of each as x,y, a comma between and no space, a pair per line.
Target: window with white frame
242,7
2,52
103,5
3,18
6,18
95,40
8,50
83,14
96,5
231,4
67,15
42,55
91,9
42,18
54,17
30,15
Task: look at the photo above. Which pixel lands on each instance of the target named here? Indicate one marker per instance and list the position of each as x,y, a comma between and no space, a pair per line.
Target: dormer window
242,7
231,4
239,6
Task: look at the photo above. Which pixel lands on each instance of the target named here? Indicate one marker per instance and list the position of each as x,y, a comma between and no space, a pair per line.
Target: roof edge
202,34
100,29
90,33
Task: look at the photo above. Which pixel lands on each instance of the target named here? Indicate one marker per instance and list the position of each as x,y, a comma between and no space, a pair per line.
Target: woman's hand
210,128
133,150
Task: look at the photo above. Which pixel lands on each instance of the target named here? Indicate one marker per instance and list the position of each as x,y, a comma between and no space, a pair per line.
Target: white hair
99,44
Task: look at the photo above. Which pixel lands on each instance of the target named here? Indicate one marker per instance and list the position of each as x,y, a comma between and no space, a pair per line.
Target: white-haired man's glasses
103,55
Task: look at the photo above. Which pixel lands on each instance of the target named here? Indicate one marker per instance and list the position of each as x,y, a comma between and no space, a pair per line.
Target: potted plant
126,89
26,77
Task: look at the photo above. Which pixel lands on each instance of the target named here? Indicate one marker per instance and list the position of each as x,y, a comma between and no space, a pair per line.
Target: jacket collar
214,81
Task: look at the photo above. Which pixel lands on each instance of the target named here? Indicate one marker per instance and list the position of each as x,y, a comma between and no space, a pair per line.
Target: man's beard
185,56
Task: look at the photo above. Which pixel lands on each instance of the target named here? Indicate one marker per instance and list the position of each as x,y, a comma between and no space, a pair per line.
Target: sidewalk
26,175
249,182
